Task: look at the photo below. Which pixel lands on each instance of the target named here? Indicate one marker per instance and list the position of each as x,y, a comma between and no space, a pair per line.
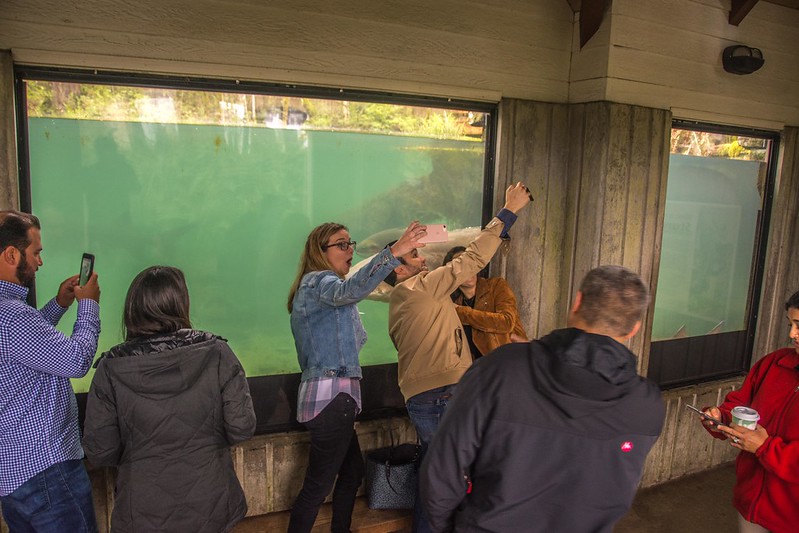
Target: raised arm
335,291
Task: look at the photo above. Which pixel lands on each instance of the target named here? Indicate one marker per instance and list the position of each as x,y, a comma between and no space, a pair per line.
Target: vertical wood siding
685,447
781,276
598,173
9,188
534,148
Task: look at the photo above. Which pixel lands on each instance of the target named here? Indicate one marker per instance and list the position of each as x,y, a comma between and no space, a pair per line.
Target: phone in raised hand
435,233
86,268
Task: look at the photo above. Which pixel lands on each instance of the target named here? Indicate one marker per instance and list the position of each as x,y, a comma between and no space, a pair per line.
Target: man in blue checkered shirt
43,484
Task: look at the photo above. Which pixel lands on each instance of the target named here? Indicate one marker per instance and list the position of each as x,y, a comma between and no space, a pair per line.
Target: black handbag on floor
391,476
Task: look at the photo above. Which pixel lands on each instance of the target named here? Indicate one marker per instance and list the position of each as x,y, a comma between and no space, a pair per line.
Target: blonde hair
313,258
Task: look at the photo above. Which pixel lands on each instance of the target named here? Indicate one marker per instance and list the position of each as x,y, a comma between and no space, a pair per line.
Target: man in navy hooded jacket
550,435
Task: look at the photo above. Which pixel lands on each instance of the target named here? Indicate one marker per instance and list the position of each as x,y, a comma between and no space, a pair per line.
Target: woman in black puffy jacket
164,408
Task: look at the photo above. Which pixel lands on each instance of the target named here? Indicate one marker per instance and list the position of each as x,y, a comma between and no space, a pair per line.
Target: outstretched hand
517,196
409,239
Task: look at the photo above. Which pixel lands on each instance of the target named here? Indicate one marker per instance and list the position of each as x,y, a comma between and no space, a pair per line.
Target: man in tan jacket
432,351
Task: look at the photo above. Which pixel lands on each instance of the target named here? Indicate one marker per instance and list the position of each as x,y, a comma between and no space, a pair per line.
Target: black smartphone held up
86,269
716,421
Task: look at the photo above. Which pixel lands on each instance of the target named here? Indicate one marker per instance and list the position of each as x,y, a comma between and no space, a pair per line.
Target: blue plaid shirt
38,411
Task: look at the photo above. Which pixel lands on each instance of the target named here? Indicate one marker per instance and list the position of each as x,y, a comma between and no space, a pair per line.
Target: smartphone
530,195
86,269
435,233
715,421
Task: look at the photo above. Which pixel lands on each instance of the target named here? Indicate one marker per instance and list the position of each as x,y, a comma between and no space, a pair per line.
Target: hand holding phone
530,195
716,422
86,268
435,233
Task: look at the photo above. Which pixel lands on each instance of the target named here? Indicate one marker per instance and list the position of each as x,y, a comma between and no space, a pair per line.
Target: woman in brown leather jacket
487,309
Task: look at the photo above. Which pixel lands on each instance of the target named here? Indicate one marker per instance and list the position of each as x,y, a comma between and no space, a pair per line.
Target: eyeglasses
343,245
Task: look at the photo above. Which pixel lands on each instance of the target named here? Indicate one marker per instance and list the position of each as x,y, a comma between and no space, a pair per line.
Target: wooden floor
364,520
693,504
699,503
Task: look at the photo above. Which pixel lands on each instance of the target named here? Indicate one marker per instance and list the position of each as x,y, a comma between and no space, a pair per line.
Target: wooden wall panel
598,172
621,198
653,54
668,55
448,48
589,62
781,276
9,188
271,468
684,447
534,148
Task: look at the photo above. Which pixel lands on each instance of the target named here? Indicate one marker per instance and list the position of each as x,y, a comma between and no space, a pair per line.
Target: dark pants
56,500
334,452
425,411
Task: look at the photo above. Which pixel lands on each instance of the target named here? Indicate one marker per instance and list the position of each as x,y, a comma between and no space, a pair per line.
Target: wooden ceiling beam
591,14
739,9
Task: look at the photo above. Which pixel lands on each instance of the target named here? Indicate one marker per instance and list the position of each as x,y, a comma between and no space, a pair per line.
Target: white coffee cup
745,416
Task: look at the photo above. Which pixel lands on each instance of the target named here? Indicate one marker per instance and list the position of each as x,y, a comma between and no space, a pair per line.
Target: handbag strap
388,478
387,465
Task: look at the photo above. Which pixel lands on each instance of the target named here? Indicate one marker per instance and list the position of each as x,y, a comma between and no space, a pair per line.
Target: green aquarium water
709,231
231,207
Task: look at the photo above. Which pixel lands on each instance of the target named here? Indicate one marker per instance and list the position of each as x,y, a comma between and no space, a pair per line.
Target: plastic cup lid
745,413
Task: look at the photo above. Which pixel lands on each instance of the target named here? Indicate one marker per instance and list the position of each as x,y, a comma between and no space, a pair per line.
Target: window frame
702,346
274,396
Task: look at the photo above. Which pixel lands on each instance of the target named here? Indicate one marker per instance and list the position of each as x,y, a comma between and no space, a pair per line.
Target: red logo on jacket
627,446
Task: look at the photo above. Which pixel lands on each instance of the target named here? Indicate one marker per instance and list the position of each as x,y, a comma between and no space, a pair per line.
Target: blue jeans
425,410
56,500
335,458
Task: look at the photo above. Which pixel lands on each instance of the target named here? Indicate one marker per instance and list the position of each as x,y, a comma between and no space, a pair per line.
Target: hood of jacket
582,373
162,365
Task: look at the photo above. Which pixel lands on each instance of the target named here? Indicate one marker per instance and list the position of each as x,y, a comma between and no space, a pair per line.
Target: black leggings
334,452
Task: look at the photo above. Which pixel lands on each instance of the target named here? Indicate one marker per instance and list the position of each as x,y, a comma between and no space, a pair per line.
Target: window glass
227,187
713,200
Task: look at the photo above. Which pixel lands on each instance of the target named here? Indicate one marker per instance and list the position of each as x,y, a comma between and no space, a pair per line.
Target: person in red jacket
766,492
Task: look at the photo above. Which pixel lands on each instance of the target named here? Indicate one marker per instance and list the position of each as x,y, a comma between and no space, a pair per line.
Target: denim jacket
327,328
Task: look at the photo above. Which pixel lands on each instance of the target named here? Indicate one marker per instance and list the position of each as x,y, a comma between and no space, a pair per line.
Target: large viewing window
225,180
719,187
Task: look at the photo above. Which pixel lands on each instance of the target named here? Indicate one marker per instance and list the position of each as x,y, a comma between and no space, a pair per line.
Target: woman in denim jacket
328,335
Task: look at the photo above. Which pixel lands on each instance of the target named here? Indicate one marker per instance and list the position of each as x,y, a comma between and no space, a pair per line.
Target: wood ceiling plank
739,9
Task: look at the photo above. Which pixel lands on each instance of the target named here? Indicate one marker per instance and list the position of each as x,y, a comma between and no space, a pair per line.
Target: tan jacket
494,316
431,348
